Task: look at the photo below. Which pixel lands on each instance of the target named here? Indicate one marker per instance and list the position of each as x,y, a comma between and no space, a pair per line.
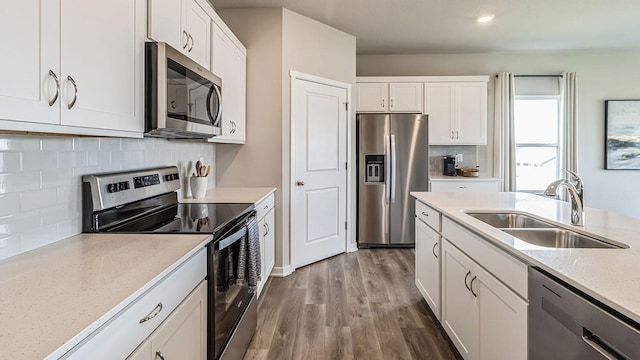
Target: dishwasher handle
602,346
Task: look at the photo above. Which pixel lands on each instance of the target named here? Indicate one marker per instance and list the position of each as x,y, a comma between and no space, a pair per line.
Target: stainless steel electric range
145,201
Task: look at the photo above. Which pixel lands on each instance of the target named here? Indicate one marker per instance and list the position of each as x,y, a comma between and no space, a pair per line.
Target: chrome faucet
575,186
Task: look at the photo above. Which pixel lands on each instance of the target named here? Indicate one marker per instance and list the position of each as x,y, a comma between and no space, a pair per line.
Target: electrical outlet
459,158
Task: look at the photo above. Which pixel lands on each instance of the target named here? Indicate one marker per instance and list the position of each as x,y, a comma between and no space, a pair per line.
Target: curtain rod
535,76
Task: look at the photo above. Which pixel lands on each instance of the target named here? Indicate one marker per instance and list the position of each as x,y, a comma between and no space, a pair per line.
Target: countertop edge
76,340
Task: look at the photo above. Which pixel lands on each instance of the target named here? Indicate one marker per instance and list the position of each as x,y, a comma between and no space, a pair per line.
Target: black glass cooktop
186,219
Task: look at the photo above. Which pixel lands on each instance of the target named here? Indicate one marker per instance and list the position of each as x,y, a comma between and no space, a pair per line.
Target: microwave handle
215,89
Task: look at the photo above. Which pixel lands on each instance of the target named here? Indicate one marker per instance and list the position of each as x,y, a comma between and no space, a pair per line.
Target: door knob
300,183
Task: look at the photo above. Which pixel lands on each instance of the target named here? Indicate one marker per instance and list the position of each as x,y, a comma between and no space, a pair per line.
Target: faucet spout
576,192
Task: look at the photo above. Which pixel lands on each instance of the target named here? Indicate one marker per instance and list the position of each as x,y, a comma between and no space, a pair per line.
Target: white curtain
504,145
569,114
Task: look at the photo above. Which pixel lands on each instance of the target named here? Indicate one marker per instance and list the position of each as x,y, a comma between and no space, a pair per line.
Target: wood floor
361,305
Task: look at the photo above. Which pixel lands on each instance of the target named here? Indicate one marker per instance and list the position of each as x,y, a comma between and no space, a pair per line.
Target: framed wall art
622,134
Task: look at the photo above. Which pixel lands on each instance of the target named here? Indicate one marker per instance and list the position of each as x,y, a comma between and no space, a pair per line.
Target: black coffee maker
449,165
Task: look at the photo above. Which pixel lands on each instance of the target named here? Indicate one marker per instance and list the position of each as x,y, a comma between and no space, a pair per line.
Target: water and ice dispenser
374,168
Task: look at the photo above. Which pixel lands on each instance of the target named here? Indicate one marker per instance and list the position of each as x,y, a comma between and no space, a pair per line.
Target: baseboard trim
282,271
351,247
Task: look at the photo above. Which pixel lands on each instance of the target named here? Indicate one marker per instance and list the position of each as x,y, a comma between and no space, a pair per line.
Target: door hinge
346,106
345,225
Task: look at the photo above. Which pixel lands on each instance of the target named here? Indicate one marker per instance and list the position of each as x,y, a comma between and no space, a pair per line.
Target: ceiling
449,26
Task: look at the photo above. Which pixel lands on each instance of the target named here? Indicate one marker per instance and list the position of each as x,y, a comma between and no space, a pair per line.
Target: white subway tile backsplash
20,181
9,162
9,204
38,199
40,180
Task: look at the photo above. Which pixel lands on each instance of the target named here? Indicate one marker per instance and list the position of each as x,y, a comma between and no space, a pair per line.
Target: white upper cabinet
73,63
183,24
229,62
389,97
101,52
457,112
28,76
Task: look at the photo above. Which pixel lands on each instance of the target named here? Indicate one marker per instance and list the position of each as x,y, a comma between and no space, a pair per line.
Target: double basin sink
541,233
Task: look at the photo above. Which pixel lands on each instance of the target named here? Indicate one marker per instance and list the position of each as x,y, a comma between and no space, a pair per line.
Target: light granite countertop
608,275
252,195
53,297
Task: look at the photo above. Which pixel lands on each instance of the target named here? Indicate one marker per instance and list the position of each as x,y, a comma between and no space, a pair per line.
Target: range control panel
113,189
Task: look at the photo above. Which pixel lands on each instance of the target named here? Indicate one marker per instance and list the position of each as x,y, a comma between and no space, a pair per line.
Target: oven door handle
229,240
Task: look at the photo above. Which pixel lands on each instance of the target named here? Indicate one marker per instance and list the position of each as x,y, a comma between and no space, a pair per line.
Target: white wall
40,198
277,41
601,76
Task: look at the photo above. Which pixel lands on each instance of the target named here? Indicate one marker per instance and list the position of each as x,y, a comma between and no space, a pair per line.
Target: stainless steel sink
507,220
559,238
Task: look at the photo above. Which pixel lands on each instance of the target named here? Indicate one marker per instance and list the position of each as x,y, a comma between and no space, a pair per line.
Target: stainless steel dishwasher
564,324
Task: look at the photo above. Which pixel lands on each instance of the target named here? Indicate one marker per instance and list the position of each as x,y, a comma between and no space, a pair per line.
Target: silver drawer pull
266,207
152,314
425,214
159,355
55,78
75,92
463,187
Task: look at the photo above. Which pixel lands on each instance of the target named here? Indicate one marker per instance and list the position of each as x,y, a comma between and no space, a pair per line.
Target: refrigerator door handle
393,168
387,170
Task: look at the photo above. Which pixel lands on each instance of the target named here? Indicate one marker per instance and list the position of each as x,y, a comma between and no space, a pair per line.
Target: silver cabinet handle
465,280
55,78
463,187
75,92
457,134
153,313
433,250
266,207
391,103
425,214
192,42
186,41
159,355
266,229
383,103
471,286
451,134
300,183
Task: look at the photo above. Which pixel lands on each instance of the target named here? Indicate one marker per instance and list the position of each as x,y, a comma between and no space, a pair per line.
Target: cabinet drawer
263,207
122,334
511,271
430,216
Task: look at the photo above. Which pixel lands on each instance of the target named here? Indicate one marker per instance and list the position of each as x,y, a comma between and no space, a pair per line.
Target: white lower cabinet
484,318
183,335
266,216
428,265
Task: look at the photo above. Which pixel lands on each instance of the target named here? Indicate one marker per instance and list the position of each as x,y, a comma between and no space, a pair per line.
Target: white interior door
319,177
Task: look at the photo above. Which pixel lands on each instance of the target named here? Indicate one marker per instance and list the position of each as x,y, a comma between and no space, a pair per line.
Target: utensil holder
198,186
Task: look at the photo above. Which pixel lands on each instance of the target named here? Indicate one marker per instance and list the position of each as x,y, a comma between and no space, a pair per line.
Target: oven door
227,299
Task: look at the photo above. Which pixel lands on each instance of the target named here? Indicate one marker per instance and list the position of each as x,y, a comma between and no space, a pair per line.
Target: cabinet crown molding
400,79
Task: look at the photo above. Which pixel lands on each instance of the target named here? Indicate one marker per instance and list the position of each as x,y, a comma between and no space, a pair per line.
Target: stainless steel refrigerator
393,160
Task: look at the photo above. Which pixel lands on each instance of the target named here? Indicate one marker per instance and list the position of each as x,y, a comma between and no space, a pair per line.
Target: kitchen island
608,275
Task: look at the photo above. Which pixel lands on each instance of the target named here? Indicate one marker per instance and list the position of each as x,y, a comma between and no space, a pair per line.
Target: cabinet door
29,37
184,334
230,64
102,52
372,97
503,319
459,307
428,265
166,21
439,105
269,244
471,113
198,26
406,97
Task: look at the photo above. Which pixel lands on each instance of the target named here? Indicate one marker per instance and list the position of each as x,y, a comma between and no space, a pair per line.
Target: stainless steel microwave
183,100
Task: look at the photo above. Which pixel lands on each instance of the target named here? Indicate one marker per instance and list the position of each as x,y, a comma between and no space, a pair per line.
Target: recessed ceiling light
485,18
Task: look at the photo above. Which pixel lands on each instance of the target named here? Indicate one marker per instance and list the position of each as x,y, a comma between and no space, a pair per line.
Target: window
537,141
